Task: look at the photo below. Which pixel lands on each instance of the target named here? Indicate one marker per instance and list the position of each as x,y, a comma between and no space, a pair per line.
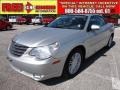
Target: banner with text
28,7
59,7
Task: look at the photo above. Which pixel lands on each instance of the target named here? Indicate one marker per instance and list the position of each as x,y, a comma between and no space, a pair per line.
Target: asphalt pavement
100,72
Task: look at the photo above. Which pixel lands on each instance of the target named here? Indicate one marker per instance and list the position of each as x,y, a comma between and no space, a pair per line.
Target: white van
13,19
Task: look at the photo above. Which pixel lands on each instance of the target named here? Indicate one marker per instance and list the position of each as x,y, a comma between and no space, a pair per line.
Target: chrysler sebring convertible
59,48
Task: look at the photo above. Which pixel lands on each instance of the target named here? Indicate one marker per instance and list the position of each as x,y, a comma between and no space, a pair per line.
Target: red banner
88,6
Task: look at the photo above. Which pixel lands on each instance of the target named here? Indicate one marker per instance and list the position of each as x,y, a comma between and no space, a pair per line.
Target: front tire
73,63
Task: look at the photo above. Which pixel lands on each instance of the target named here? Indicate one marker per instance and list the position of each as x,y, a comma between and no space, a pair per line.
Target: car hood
43,36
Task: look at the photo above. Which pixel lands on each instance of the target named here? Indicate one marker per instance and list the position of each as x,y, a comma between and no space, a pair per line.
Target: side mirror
95,27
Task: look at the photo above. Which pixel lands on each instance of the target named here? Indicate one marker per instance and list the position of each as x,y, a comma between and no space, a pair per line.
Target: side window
102,21
94,20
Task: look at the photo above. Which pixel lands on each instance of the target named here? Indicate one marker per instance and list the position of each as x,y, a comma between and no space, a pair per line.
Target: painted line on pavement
114,73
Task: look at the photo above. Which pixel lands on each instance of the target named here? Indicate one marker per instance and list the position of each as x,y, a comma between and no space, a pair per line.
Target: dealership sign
59,7
29,7
12,7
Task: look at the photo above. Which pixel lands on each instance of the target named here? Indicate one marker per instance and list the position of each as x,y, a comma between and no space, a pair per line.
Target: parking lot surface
100,72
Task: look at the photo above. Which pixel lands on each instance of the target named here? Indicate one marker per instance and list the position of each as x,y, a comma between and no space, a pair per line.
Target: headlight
44,52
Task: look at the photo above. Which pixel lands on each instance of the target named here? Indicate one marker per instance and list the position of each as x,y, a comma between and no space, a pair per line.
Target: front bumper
36,69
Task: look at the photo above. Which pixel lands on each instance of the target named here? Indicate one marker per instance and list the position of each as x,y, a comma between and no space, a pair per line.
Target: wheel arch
79,47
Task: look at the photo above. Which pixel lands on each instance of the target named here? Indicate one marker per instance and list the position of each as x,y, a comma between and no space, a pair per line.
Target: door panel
96,38
100,38
91,43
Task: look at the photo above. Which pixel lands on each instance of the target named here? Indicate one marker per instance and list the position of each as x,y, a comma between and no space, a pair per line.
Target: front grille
17,49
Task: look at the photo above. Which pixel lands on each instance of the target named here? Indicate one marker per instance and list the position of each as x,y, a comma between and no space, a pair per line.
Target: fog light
38,77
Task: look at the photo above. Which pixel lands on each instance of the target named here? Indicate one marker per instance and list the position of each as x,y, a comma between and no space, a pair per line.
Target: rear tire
110,42
73,64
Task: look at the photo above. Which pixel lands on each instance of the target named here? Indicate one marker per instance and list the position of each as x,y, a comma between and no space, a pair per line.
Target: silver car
60,47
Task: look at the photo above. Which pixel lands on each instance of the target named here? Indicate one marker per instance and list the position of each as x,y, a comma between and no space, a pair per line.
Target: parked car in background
12,19
47,20
37,20
60,47
110,19
5,25
21,20
24,19
28,19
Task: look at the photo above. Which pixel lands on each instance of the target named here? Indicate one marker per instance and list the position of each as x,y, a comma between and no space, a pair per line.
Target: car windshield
69,22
